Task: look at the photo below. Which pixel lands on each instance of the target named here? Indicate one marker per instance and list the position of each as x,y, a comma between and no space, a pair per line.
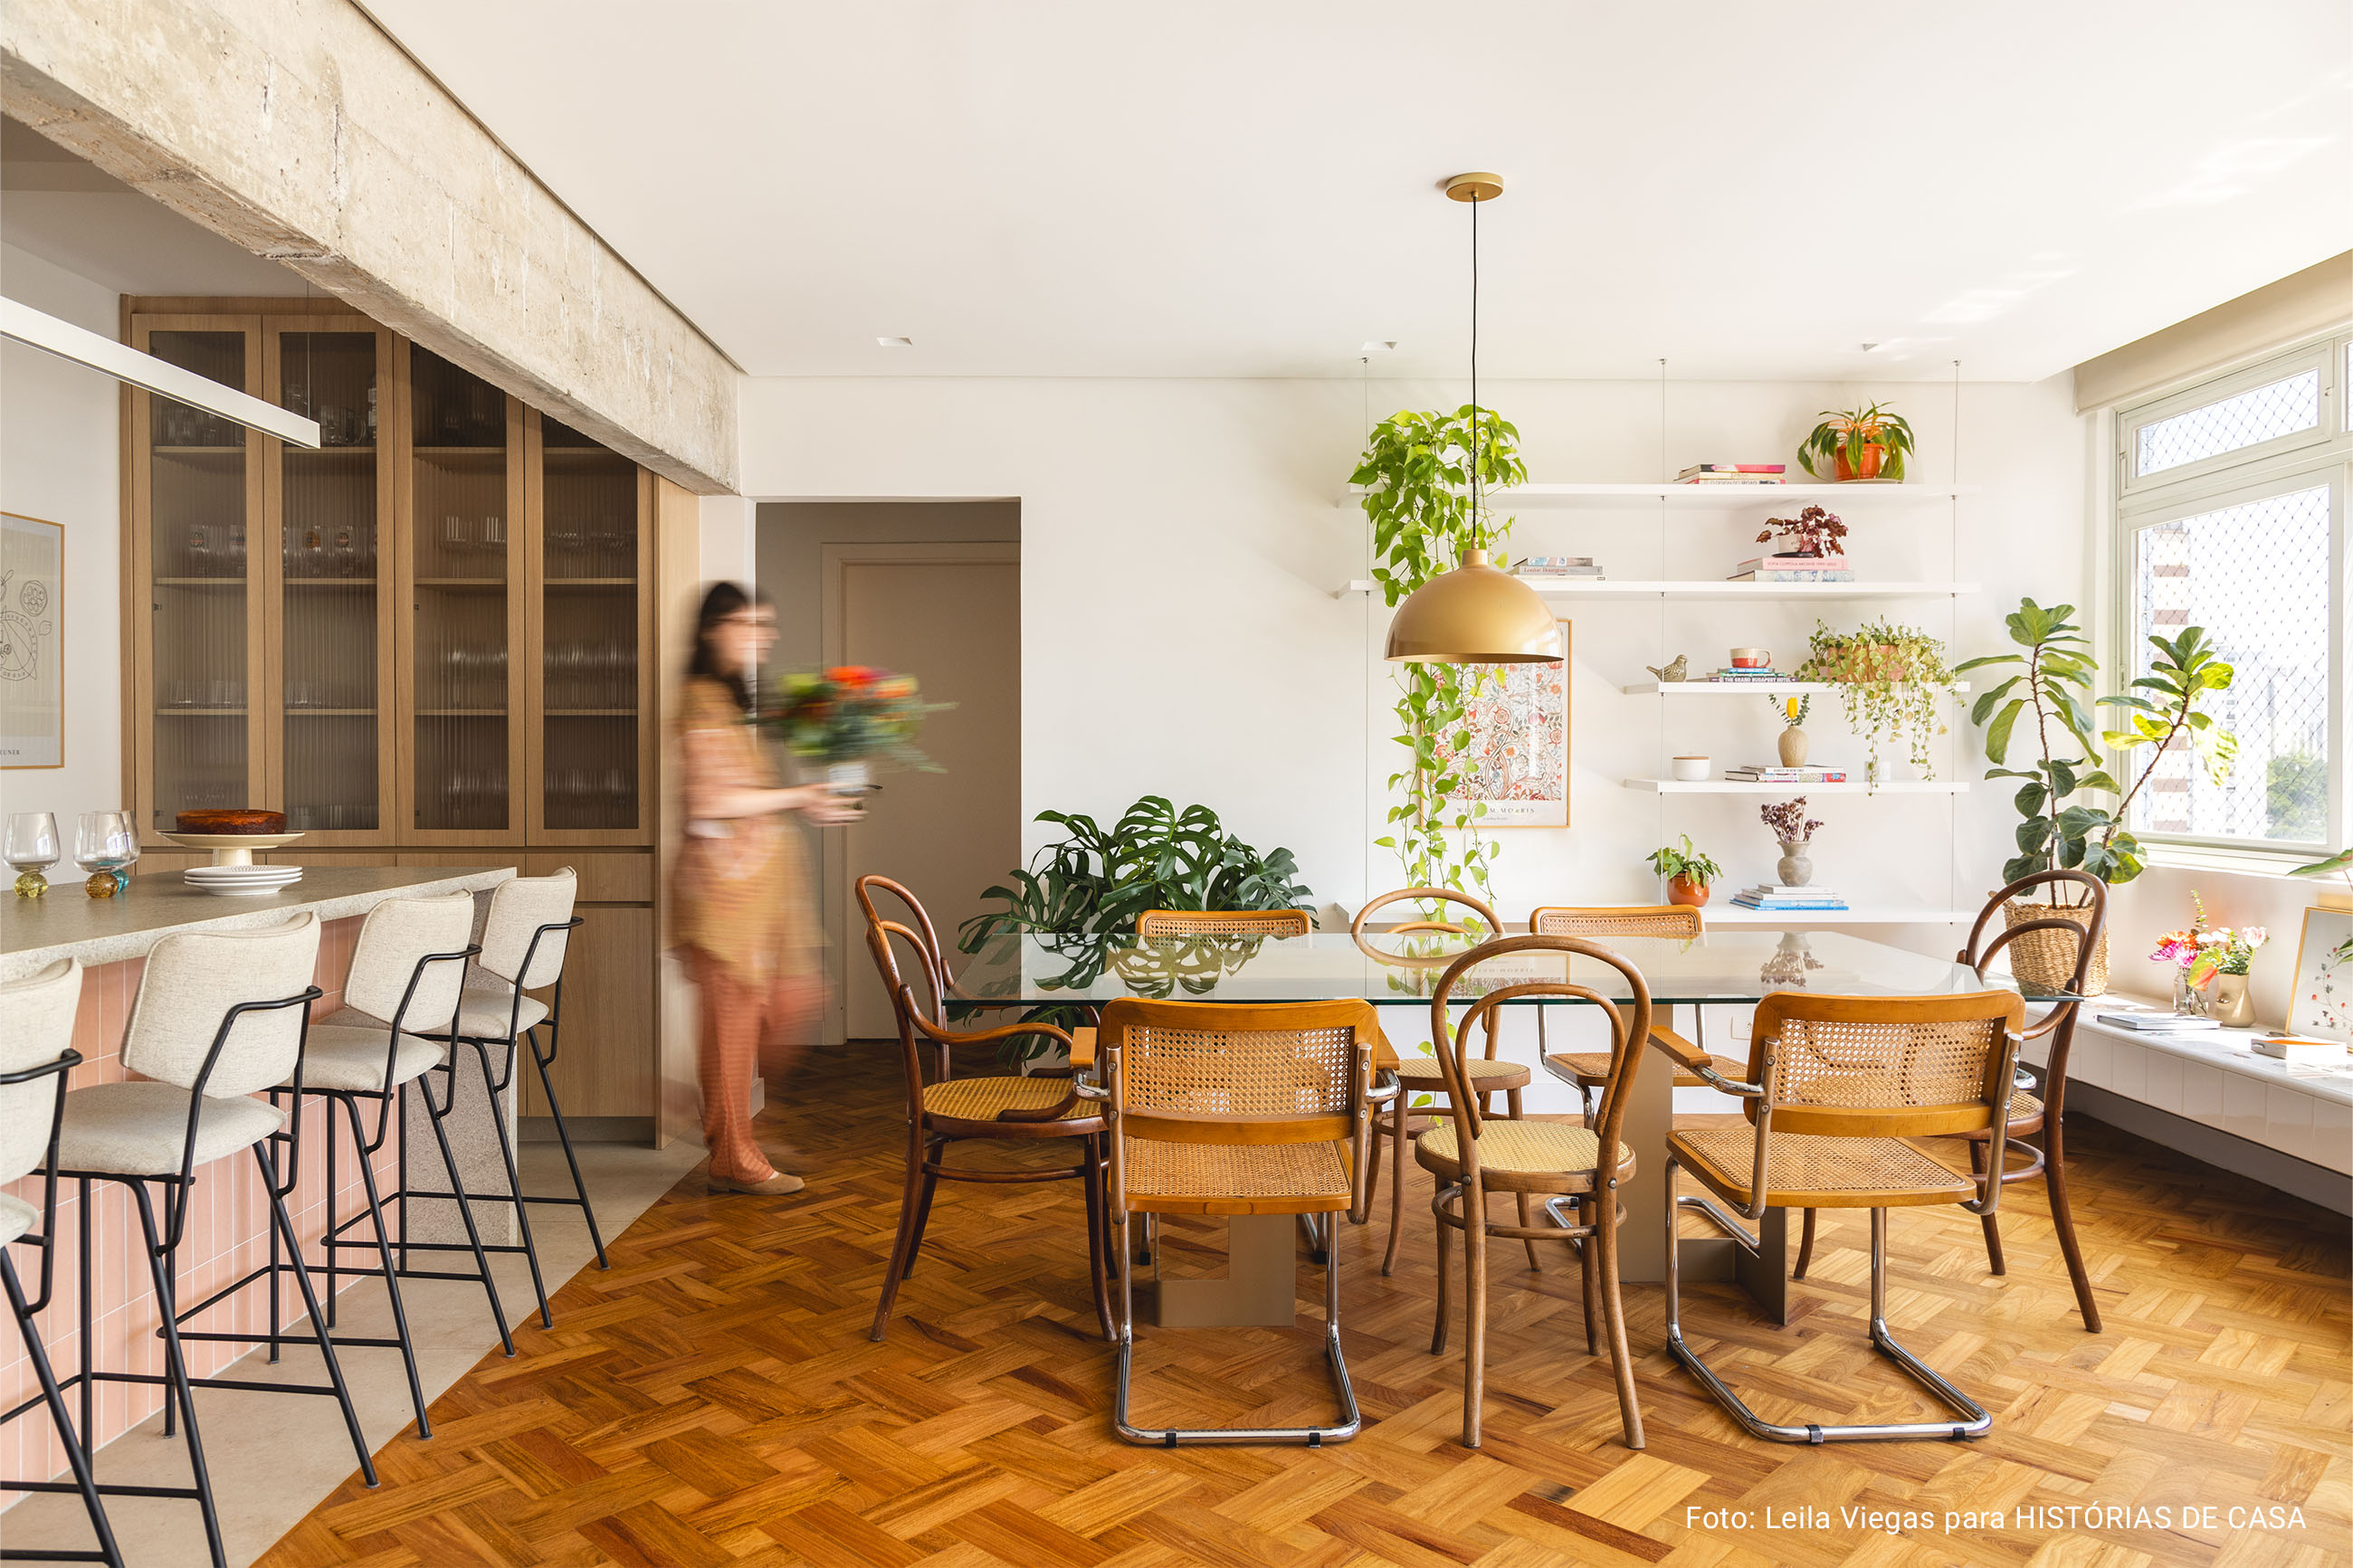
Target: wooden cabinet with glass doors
429,635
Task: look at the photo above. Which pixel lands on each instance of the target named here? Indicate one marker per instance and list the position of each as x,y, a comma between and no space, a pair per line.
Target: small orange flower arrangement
853,714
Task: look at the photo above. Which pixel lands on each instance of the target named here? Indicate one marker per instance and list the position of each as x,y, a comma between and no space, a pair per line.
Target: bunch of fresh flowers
1790,822
851,714
2205,952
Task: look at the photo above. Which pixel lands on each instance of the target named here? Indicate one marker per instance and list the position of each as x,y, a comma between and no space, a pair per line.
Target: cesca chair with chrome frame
2030,1113
1836,1085
1420,1074
37,1020
1154,923
1227,1109
1471,1155
950,1110
1590,1070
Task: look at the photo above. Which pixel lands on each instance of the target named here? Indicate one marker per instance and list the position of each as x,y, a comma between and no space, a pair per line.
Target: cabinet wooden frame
272,614
261,568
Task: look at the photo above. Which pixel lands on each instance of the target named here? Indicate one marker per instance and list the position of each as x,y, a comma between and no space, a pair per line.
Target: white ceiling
1248,187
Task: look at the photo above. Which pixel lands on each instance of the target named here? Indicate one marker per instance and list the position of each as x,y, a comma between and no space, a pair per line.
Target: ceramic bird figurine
1672,672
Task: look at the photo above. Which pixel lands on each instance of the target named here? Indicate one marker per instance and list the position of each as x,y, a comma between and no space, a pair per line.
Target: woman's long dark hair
723,600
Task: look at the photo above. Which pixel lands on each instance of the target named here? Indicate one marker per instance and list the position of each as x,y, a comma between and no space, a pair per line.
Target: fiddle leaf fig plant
2184,670
2053,687
1417,471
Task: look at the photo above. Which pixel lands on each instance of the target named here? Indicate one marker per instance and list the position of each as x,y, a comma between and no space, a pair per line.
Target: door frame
834,876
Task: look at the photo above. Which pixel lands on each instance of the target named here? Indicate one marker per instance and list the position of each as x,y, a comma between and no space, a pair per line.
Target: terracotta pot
2231,1006
1684,890
1881,661
1793,747
1874,455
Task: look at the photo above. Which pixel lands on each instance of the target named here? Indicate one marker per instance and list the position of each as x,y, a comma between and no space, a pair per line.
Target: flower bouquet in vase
842,725
2209,968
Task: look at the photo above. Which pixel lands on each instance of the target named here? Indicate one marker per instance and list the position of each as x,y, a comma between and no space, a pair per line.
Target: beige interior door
950,615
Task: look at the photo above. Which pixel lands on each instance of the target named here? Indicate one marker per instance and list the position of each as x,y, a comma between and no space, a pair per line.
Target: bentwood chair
983,1108
1836,1085
1154,923
2030,1113
1472,1154
1227,1109
37,1020
219,1017
1420,1074
1590,1070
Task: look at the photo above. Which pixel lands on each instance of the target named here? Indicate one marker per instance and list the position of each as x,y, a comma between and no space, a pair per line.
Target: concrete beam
299,129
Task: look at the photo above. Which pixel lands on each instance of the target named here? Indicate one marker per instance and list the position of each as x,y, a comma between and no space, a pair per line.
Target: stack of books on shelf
1745,676
1763,772
1773,897
1557,567
1733,474
1793,569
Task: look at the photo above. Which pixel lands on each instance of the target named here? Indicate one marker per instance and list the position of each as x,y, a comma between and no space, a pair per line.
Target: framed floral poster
2322,1003
1515,763
32,607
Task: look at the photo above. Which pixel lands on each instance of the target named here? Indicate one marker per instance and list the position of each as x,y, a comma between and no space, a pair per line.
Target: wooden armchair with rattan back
1154,923
1422,1074
1836,1086
1238,1109
949,1109
1590,1069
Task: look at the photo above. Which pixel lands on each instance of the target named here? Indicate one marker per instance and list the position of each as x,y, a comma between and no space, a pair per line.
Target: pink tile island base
228,1215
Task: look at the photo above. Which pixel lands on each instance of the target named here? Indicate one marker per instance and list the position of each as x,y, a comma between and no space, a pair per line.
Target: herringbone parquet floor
714,1399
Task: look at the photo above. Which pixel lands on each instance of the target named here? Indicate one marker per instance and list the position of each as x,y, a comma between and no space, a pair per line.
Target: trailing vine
1417,473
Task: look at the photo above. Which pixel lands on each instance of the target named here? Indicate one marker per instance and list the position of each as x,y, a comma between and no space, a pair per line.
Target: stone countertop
69,923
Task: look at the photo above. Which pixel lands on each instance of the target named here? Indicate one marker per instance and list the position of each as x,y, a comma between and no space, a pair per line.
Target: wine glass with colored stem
104,846
31,847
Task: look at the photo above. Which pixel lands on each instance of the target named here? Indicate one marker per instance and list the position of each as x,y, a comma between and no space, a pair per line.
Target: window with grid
2231,512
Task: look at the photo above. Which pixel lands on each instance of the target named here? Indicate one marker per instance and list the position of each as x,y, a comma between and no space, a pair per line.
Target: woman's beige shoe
775,1186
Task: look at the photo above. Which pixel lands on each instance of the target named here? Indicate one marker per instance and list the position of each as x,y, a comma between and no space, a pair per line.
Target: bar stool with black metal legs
37,1020
406,968
219,1017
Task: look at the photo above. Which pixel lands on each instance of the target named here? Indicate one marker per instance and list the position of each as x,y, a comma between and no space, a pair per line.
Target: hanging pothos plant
1416,473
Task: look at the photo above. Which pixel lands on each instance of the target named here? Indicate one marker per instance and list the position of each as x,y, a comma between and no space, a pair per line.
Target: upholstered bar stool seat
141,1129
486,1006
345,1056
16,1218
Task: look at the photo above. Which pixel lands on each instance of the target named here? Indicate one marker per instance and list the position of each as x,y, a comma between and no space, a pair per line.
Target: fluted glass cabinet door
334,733
465,748
590,759
196,651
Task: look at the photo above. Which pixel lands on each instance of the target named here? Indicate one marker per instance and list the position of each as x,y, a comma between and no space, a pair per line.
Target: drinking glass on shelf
31,847
104,846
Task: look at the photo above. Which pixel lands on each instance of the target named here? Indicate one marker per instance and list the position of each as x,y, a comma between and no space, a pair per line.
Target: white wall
1181,544
60,460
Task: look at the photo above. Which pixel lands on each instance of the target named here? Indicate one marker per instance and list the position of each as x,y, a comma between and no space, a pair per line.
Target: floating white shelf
1709,497
1702,588
1738,687
1732,914
1743,787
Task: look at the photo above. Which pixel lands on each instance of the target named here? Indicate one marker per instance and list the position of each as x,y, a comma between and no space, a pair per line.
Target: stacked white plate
236,881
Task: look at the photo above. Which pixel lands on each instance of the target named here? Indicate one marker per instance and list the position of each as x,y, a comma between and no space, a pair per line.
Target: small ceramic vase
2230,1006
1795,868
1684,890
1793,747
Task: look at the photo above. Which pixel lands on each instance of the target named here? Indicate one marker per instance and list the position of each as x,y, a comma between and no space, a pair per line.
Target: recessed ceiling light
896,343
1376,346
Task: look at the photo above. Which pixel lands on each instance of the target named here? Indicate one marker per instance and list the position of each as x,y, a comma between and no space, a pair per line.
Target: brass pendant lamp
1477,612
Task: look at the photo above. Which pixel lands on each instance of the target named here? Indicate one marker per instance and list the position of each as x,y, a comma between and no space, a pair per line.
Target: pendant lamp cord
1477,436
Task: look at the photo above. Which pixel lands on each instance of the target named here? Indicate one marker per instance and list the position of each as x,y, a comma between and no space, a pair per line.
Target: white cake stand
232,848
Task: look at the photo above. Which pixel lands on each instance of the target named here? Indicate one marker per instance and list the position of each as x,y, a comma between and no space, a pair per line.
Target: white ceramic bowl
1691,770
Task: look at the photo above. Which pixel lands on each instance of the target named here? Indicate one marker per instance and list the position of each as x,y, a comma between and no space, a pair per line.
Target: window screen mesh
2255,576
2261,413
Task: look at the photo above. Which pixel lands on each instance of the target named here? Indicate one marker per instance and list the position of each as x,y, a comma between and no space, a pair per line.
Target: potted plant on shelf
1866,443
1812,535
2055,676
1793,830
1792,711
1892,682
1688,873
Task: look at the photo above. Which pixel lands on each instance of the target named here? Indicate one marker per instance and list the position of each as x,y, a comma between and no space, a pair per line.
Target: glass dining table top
1733,965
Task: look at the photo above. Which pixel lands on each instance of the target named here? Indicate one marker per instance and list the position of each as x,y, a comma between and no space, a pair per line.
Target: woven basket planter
2046,959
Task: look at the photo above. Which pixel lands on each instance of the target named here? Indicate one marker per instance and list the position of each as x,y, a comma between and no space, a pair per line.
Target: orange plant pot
1684,890
1843,471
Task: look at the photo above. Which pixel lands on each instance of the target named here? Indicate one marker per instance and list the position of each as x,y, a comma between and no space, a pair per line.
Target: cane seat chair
1590,1070
1227,1109
949,1109
1419,1073
1836,1085
2030,1113
1154,923
35,1058
1473,1154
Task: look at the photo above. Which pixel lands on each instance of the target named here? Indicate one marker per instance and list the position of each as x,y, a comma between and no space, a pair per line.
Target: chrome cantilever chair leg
1974,1421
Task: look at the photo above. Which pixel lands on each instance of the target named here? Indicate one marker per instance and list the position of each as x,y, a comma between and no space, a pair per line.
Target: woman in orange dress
740,895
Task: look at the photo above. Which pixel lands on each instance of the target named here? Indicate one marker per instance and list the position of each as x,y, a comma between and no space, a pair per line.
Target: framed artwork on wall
2322,1001
32,643
1516,761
